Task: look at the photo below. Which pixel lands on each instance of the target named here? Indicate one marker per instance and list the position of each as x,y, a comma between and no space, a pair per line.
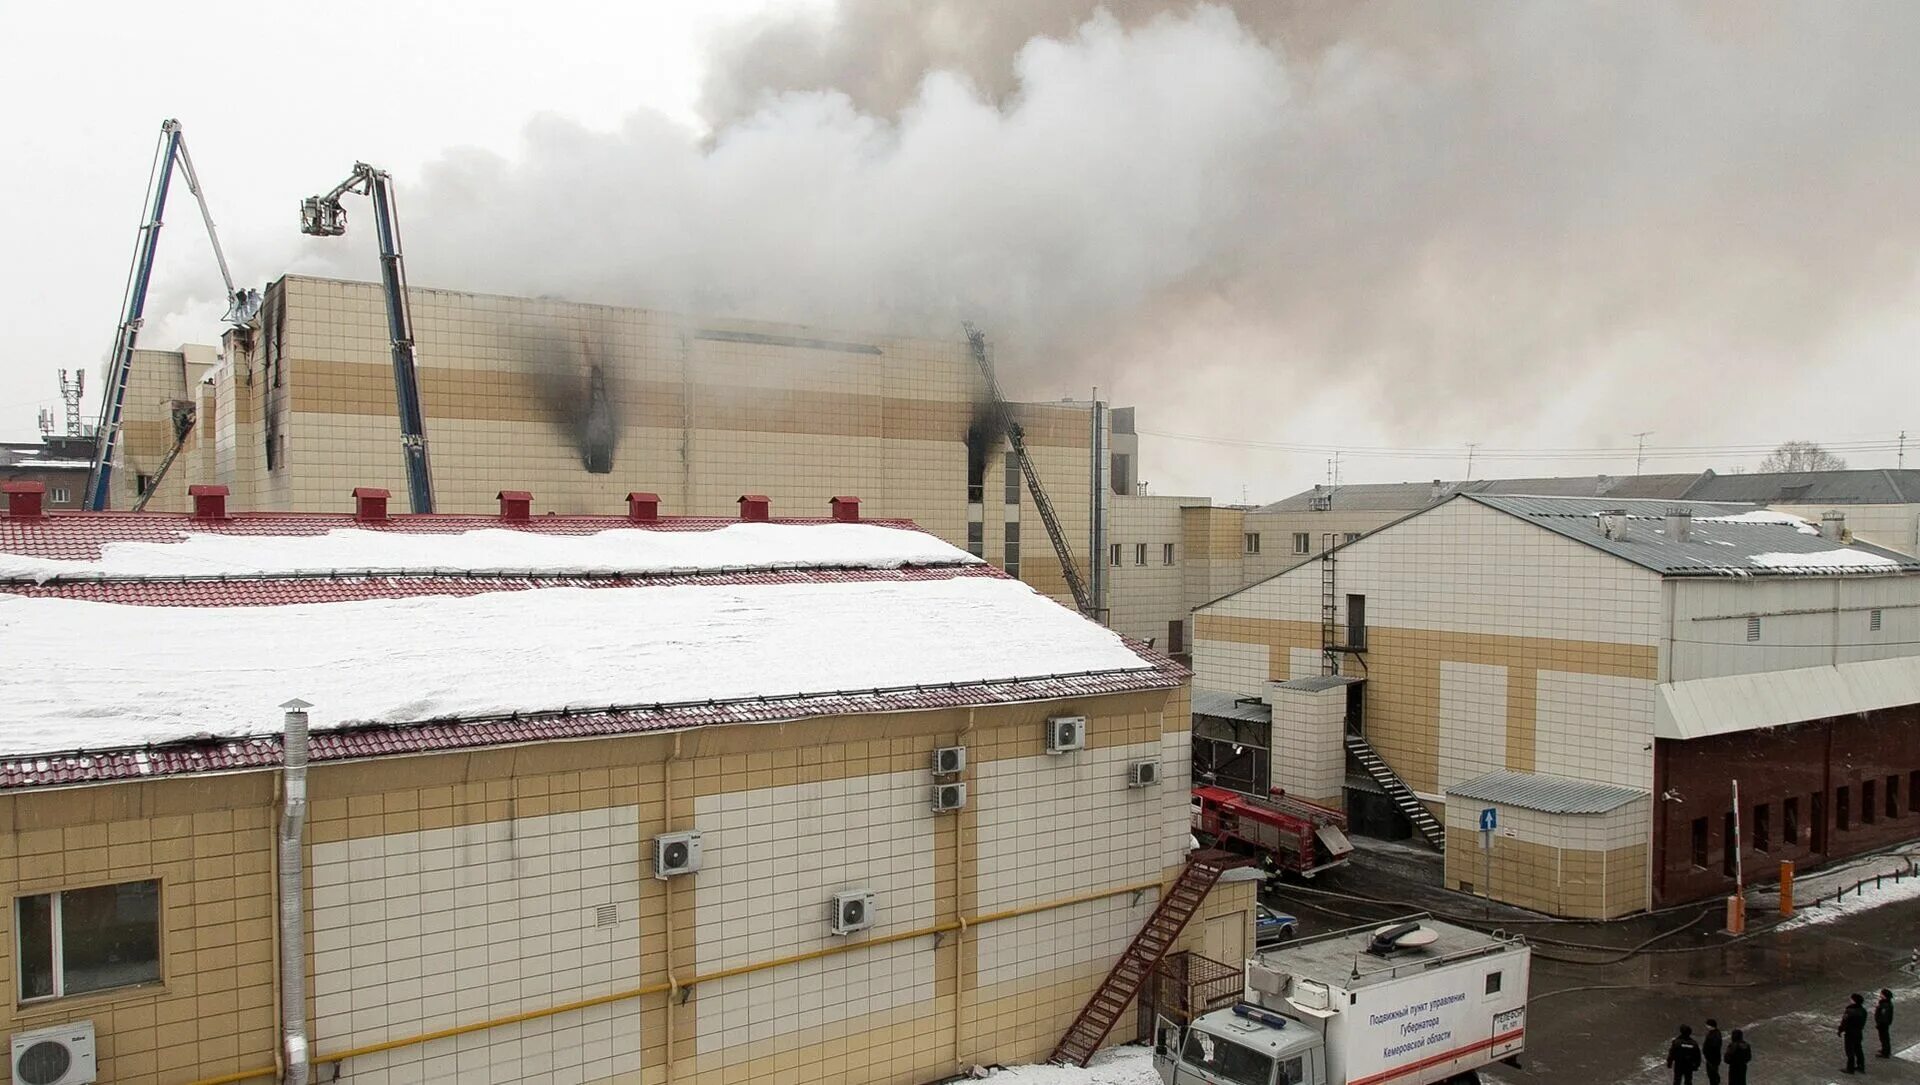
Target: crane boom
1004,421
240,304
322,216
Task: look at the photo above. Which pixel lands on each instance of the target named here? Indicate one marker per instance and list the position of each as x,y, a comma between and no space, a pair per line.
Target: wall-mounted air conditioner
947,797
1066,733
948,760
62,1055
851,910
675,854
1143,773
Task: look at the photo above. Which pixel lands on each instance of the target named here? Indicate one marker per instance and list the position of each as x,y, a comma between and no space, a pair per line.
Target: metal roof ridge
467,573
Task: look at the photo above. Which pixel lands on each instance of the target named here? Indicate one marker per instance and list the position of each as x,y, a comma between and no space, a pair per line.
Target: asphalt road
1610,1023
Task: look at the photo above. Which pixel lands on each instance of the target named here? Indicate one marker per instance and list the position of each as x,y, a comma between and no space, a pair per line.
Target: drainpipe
293,937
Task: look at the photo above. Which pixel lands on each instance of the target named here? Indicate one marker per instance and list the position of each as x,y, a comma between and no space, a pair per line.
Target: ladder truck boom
241,304
1004,421
322,216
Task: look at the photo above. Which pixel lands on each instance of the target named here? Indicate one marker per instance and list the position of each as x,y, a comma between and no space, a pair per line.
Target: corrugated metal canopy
1748,702
1230,706
1547,794
1318,683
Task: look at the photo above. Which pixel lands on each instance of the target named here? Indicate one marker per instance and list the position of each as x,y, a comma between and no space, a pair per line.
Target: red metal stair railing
1157,935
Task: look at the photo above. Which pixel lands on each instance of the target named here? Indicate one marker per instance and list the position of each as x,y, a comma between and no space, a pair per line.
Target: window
59,495
1817,818
1357,622
1762,827
1493,983
1913,792
1166,553
1873,619
1253,542
1790,821
1120,470
1700,843
1753,629
977,539
1729,851
1176,637
1868,809
1351,536
1113,555
1013,479
81,940
1293,1071
1226,1060
1302,543
1139,553
142,484
1012,563
1893,796
1842,809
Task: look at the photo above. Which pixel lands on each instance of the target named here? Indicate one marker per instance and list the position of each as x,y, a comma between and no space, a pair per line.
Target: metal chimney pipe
293,935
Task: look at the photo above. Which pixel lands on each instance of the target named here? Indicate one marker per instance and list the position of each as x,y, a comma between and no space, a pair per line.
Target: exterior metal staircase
1397,790
1096,1019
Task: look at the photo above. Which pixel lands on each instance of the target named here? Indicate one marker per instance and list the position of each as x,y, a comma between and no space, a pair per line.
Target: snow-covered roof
1721,539
628,627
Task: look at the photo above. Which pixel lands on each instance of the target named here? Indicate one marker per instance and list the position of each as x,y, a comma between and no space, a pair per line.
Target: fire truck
1291,835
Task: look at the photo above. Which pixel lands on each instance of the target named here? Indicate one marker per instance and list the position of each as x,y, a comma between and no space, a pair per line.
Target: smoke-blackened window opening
977,539
1012,563
1013,478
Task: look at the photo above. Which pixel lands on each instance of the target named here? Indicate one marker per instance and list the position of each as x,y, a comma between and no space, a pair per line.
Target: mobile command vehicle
1415,1002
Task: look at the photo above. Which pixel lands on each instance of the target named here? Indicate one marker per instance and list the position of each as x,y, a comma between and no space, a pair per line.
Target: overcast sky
1377,225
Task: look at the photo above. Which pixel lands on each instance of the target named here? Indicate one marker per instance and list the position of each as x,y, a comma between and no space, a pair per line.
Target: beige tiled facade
701,412
1592,866
448,891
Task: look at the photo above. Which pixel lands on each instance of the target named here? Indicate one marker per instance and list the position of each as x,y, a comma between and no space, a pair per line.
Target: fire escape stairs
1403,797
1109,1002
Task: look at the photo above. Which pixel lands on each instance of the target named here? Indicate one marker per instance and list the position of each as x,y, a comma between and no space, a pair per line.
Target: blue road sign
1489,821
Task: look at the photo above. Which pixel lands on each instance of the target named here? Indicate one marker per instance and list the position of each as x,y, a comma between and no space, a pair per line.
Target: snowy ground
1115,1066
1890,891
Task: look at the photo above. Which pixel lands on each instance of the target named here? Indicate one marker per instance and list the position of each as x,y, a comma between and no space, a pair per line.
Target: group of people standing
1853,1030
1686,1055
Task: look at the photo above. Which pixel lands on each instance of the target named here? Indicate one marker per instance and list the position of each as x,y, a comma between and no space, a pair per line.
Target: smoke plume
1473,207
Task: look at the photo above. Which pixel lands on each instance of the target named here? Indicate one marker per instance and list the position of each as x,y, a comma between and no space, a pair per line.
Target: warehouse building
1597,672
589,798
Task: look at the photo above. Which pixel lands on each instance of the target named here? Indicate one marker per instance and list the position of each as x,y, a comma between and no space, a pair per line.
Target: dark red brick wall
1692,780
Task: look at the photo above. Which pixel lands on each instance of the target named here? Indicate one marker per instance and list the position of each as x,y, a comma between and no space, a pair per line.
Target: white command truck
1414,1002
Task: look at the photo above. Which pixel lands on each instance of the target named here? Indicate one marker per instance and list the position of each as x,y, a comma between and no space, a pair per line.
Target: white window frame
59,495
56,927
1251,542
1166,553
1139,553
1302,542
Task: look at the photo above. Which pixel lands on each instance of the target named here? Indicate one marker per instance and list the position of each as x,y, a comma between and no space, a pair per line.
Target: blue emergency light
1255,1014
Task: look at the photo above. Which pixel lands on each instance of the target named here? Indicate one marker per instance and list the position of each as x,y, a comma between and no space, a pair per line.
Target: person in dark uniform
1710,1051
1883,1022
1738,1056
1853,1028
1683,1054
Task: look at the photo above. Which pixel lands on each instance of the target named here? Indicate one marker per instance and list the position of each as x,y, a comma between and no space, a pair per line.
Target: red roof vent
754,507
209,502
643,508
516,504
25,498
370,504
846,508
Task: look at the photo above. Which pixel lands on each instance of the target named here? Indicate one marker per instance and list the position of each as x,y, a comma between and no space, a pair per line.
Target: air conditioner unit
852,910
62,1055
675,854
1143,774
949,797
1065,733
948,760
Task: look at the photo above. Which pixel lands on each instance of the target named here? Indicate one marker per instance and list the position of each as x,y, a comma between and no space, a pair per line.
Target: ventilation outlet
948,760
606,915
675,854
851,910
1143,774
62,1055
949,797
1066,734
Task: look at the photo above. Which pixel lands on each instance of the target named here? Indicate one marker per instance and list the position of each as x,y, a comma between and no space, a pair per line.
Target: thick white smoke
1459,206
